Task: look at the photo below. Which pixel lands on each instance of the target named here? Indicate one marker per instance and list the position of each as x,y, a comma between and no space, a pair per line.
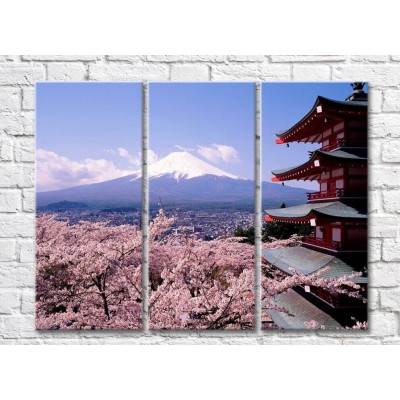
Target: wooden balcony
335,194
326,244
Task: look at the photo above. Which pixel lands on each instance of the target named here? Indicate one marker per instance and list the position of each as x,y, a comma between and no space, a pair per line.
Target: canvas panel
314,250
201,190
88,236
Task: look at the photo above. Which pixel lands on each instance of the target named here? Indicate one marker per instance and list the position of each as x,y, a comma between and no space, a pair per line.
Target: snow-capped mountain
179,178
184,165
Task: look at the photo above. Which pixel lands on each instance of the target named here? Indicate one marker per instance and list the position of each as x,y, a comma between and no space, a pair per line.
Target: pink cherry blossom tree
88,275
196,284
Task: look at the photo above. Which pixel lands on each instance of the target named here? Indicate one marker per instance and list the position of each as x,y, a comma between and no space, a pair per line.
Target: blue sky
214,121
91,132
284,104
86,132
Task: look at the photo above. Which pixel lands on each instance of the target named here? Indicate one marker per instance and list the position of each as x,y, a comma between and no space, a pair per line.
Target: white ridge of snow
184,165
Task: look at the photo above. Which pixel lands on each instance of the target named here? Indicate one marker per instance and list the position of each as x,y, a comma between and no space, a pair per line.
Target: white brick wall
17,269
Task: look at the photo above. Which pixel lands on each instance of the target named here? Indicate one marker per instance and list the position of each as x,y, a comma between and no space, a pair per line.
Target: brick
6,150
9,300
391,101
126,58
10,201
8,58
16,326
308,339
28,200
71,58
185,59
235,72
375,150
373,299
28,98
26,251
390,151
395,58
12,74
190,72
10,99
7,250
305,58
369,59
25,149
391,201
381,324
375,201
382,227
128,72
28,302
17,123
391,341
311,73
384,177
360,341
375,100
14,175
390,250
250,72
384,125
17,276
390,299
66,72
384,275
244,58
374,250
378,75
12,225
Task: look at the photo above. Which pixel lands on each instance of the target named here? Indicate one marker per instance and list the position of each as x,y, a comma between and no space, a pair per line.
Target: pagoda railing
327,244
337,144
332,194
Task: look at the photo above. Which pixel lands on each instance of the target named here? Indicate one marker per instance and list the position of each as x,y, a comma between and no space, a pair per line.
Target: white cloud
125,154
56,172
219,152
152,157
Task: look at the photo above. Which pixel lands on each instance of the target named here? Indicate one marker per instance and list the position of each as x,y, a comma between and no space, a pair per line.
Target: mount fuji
179,179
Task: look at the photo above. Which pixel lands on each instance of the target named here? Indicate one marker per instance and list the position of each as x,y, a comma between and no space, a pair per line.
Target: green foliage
246,234
282,230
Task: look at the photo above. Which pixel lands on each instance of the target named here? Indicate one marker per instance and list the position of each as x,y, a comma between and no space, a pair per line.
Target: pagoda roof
311,126
335,209
307,261
308,169
300,310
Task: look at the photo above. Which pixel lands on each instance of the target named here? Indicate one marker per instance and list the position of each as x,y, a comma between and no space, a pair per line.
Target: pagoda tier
340,174
330,122
320,162
311,211
338,227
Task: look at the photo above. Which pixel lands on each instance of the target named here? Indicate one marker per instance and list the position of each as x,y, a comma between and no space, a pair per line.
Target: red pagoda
337,212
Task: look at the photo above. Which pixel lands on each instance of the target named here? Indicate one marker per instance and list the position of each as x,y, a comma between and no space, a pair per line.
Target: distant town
207,224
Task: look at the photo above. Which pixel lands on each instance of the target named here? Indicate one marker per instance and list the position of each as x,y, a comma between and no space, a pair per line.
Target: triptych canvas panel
202,193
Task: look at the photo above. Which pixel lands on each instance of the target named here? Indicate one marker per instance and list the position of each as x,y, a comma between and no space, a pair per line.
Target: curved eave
324,109
313,168
306,212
